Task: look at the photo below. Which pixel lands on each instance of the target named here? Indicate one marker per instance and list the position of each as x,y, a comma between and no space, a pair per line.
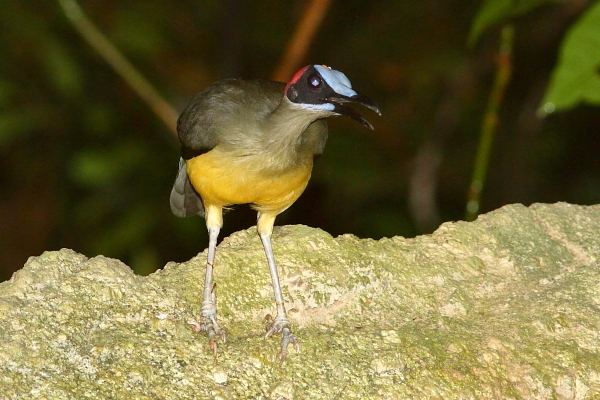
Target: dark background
85,164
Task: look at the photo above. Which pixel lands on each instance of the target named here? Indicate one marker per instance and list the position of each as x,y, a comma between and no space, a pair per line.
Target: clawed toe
212,329
287,338
281,325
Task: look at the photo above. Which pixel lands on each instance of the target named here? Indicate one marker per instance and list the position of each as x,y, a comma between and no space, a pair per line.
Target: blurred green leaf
62,69
95,168
6,91
137,30
493,12
14,124
125,232
576,78
145,260
98,118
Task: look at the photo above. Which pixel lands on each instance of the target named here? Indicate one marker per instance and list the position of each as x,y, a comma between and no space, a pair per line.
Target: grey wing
195,128
217,114
185,201
197,135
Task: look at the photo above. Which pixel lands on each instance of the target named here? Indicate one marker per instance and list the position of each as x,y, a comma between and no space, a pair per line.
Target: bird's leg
209,323
280,323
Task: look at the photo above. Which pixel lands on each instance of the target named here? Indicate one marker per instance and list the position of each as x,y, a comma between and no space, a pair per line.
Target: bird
253,142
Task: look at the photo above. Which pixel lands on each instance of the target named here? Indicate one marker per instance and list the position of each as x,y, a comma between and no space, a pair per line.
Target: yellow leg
214,222
214,216
265,223
280,323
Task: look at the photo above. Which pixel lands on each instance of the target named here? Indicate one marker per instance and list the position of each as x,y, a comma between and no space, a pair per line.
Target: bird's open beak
339,101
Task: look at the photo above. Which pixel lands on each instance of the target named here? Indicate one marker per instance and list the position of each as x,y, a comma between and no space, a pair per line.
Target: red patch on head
297,75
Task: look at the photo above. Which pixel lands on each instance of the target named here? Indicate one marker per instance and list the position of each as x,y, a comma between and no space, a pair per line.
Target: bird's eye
315,81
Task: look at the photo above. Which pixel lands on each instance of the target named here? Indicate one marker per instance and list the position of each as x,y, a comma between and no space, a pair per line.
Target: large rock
504,307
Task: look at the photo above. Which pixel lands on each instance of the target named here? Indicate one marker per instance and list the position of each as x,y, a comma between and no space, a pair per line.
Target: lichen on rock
507,306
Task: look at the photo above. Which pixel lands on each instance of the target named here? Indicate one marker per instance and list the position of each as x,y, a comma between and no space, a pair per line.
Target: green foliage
576,79
493,12
137,29
62,69
101,167
14,121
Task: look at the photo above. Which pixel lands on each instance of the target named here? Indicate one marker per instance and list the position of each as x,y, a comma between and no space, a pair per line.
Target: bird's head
322,89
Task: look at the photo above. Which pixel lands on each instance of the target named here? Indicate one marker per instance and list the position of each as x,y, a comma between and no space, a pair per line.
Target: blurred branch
424,177
490,122
423,185
300,41
120,64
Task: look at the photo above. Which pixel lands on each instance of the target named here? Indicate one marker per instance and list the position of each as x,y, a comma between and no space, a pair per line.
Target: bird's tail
185,201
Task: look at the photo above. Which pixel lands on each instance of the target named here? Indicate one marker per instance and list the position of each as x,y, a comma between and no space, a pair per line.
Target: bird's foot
209,325
281,325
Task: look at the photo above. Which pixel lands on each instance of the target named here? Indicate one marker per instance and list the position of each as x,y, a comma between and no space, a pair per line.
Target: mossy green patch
503,307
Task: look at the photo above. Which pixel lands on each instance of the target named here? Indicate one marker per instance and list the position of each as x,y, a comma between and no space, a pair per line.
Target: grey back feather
185,201
222,112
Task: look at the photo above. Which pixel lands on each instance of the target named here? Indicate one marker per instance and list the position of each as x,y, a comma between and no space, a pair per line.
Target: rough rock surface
504,307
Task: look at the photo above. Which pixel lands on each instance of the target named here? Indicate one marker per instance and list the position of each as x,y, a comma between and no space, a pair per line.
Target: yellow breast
223,180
